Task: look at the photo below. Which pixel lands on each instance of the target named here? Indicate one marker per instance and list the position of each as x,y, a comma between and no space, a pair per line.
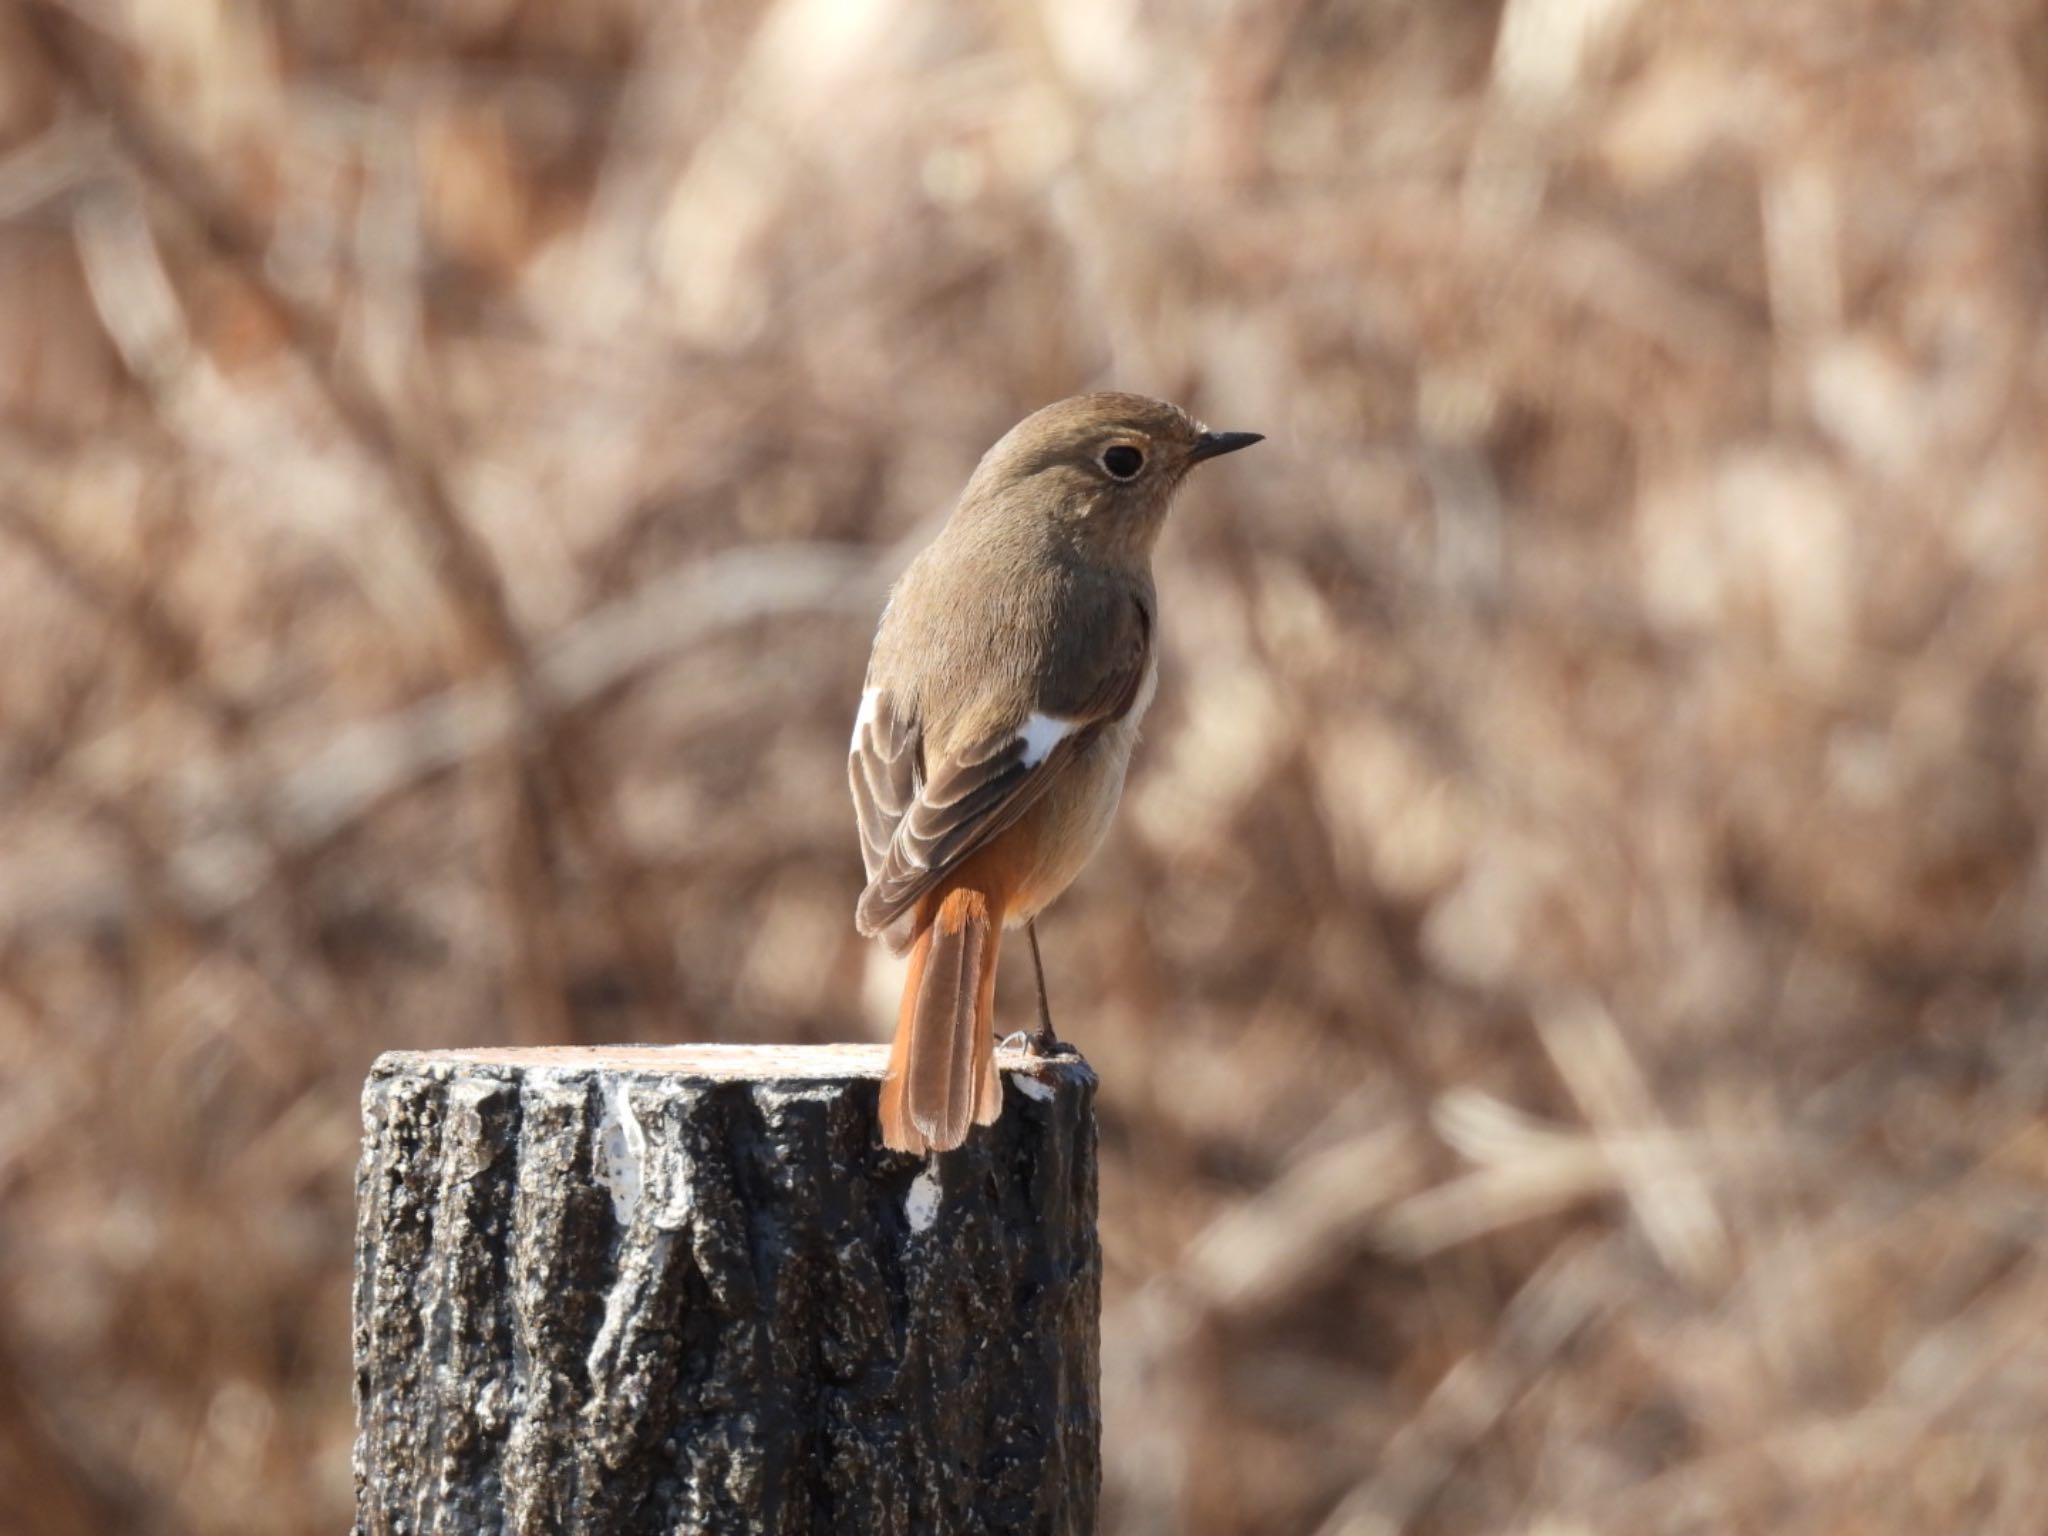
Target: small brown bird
1012,665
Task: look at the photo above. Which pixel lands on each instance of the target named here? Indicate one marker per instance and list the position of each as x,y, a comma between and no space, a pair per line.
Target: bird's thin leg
1045,1042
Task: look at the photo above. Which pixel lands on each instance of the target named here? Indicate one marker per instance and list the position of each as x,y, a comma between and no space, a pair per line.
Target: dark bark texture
683,1291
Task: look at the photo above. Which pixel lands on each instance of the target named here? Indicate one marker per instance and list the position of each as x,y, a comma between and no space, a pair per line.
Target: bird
1013,661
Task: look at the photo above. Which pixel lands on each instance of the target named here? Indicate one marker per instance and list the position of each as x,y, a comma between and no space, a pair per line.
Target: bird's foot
1015,1040
1044,1042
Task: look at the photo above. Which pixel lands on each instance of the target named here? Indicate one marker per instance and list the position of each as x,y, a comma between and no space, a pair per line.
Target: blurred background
1569,978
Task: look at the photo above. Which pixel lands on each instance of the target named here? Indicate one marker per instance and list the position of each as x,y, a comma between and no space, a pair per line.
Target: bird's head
1101,469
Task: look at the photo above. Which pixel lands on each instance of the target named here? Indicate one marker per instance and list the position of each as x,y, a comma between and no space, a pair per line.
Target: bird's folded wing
922,813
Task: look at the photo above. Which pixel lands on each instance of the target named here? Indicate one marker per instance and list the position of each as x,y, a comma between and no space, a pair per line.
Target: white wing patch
869,698
1040,735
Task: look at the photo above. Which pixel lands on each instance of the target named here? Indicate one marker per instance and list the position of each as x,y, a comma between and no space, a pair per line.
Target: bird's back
961,643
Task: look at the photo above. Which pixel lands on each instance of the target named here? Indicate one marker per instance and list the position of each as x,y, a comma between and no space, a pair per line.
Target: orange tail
942,1071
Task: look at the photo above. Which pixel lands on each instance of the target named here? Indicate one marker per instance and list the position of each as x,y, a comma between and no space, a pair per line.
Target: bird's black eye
1122,461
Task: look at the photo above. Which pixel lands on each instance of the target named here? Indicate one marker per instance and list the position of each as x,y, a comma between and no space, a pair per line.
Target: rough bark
687,1290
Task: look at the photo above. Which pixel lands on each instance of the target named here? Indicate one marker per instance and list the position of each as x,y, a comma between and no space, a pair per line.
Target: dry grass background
1569,980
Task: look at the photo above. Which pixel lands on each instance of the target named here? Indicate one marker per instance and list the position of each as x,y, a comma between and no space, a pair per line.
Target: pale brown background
1569,977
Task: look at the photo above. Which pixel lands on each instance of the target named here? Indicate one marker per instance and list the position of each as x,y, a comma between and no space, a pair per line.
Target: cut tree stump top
714,1063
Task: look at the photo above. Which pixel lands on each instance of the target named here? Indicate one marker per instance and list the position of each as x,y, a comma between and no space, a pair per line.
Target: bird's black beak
1213,445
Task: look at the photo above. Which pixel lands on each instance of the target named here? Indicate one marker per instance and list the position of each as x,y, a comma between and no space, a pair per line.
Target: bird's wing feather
920,818
883,765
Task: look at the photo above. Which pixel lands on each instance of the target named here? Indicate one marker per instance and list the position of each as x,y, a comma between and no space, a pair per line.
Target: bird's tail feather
942,1073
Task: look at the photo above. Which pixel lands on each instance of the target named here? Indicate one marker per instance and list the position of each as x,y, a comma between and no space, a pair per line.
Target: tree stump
685,1289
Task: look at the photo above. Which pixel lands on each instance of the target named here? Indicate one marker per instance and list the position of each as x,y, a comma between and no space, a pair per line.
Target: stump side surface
686,1289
